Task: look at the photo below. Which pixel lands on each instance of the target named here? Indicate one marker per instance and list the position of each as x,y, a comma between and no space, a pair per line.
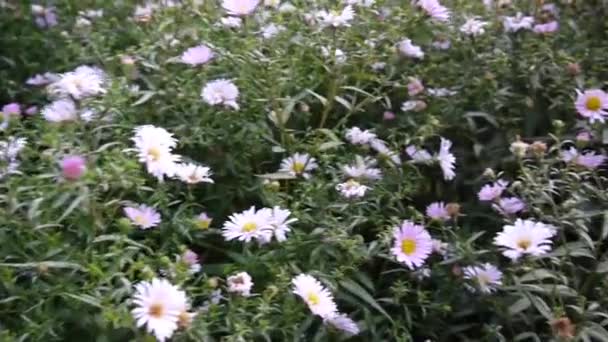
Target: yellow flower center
483,279
249,227
140,219
524,243
203,224
593,103
154,153
313,299
156,310
298,167
408,246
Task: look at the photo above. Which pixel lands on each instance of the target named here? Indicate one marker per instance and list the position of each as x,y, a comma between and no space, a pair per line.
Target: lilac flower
11,109
491,192
590,159
418,155
437,211
435,10
509,205
546,28
197,55
45,17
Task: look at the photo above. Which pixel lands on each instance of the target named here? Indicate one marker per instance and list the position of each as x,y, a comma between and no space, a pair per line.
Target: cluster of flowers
155,149
413,245
69,89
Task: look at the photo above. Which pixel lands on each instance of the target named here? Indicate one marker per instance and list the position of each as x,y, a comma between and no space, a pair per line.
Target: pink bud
73,167
388,116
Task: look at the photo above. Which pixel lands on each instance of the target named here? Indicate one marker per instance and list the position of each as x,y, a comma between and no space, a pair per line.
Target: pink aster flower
435,10
240,7
143,216
491,192
592,104
388,116
437,211
73,167
413,244
509,205
197,55
221,92
546,28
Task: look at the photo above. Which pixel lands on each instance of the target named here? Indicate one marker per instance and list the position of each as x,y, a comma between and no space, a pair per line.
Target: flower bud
573,69
388,116
213,282
538,148
453,209
563,328
420,106
519,148
73,167
489,173
304,107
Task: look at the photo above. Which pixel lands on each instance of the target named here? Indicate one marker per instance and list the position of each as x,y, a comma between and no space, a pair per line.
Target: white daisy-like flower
231,22
336,18
352,189
197,55
518,22
362,3
60,111
363,168
42,79
409,105
240,7
356,136
221,92
319,300
192,173
249,225
271,30
441,92
525,237
435,10
446,159
343,323
299,164
155,145
159,305
418,155
240,283
340,56
408,49
272,3
143,216
379,146
487,277
474,27
280,222
84,81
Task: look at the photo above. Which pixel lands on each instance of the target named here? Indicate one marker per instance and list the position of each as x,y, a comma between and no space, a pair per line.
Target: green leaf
360,292
85,299
520,305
